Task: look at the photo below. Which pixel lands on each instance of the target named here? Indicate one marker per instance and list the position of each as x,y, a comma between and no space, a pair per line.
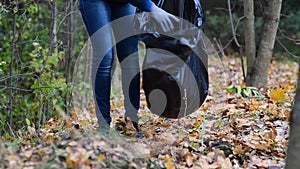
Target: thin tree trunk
258,75
11,103
53,33
44,106
69,49
249,34
293,153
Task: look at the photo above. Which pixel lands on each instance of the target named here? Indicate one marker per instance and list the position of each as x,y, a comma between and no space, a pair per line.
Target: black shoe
140,133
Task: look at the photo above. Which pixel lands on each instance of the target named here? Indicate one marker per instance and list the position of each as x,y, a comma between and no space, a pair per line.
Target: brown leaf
166,124
167,138
239,149
262,148
190,159
75,159
273,133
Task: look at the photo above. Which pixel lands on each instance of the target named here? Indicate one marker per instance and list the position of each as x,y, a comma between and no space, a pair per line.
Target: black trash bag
175,77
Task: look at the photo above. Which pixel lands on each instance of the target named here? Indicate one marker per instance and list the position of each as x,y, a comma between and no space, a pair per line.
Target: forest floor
228,131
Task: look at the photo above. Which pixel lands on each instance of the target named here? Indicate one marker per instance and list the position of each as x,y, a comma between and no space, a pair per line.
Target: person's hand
164,19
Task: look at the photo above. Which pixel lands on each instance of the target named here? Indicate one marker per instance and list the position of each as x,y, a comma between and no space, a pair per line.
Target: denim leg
128,57
96,14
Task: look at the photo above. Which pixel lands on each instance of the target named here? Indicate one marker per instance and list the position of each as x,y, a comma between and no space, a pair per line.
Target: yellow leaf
84,122
69,162
274,113
278,94
200,118
170,165
101,158
160,120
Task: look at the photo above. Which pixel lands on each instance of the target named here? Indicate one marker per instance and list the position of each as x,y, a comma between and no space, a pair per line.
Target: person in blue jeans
96,14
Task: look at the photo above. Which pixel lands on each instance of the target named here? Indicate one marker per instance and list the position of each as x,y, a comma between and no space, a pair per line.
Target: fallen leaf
168,162
239,149
101,158
278,94
167,138
273,133
73,143
28,153
84,122
190,159
166,125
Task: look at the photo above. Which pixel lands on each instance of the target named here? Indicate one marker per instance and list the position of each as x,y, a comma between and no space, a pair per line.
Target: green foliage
38,77
251,92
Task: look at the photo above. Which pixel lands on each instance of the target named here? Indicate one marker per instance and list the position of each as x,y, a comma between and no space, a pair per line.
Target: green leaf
54,101
182,133
231,88
9,144
220,122
27,122
245,92
239,90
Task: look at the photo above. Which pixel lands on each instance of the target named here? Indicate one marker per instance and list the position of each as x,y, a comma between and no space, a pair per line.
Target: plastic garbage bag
175,77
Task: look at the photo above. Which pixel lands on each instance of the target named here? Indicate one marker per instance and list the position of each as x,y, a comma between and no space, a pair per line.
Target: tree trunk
258,75
53,31
293,153
13,44
249,34
69,51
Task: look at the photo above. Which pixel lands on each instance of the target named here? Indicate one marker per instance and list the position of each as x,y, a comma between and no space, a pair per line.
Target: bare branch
17,75
232,26
65,17
226,46
14,88
11,130
222,9
22,43
219,45
295,41
286,50
237,24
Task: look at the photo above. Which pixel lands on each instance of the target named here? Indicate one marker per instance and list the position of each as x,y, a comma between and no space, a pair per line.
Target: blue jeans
96,14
